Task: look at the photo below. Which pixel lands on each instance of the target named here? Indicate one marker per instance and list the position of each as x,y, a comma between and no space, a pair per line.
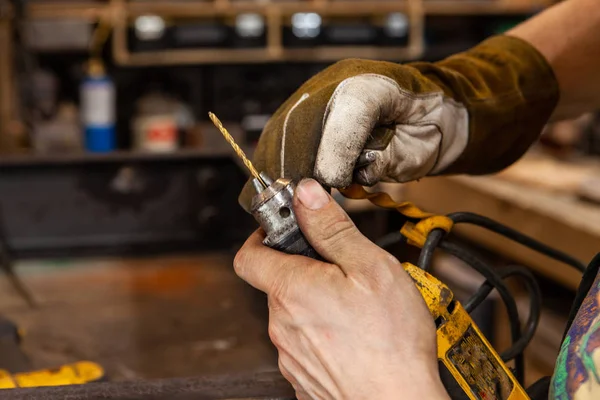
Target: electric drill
463,351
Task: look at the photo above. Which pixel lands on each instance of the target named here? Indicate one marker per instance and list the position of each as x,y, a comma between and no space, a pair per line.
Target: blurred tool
98,95
149,27
306,25
56,34
6,264
16,370
11,356
98,109
463,351
150,32
44,88
60,134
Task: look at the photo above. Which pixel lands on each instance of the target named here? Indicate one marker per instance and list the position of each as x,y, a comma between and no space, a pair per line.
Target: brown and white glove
475,112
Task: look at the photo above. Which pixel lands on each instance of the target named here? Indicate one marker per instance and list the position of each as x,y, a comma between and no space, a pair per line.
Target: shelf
122,12
87,11
25,160
341,8
217,56
276,18
484,7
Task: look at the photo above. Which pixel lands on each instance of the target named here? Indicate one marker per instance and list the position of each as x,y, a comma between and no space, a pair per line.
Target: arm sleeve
510,92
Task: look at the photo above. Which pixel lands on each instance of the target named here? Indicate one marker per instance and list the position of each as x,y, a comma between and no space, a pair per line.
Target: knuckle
275,334
336,230
329,273
239,262
378,273
279,290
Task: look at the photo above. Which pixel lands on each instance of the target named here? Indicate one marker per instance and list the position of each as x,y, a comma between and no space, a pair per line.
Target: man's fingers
264,268
328,228
357,106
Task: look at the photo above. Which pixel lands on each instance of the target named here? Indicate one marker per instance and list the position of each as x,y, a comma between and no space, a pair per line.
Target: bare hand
353,329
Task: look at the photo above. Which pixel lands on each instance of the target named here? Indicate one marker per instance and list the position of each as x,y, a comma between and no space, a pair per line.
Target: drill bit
240,153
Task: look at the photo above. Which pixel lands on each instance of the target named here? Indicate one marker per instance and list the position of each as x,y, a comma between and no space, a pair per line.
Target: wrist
414,384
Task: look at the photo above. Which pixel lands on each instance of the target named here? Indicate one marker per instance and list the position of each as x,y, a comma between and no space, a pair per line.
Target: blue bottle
97,93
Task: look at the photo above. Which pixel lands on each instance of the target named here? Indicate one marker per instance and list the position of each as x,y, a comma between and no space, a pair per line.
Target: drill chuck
272,207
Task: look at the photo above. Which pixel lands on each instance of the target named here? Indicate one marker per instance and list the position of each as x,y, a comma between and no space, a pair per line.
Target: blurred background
118,197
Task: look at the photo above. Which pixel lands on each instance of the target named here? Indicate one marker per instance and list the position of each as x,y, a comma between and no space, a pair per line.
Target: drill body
463,351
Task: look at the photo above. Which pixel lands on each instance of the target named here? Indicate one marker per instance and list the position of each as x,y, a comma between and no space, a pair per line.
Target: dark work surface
143,319
261,386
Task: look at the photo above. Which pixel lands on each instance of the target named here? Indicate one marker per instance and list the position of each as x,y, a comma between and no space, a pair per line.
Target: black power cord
390,239
431,243
490,224
535,307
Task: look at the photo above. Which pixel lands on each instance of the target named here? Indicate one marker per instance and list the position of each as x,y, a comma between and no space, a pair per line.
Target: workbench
143,318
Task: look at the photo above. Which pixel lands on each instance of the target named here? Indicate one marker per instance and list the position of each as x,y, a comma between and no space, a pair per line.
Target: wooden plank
545,172
70,9
93,12
558,221
475,7
260,55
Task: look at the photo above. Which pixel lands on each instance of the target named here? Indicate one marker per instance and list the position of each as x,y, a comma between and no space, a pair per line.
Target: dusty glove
475,112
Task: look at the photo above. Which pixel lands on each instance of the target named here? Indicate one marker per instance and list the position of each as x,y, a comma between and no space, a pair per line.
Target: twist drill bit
272,207
240,153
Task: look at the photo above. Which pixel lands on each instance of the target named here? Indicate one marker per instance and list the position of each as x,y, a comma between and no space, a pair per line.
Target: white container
156,133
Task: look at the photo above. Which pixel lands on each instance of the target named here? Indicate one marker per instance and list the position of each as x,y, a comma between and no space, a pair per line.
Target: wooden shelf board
116,156
88,11
261,55
477,7
204,9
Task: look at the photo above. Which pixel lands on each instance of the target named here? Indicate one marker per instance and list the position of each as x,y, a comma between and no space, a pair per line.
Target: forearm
568,36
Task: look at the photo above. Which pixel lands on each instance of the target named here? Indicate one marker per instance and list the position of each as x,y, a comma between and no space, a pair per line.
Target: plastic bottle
98,109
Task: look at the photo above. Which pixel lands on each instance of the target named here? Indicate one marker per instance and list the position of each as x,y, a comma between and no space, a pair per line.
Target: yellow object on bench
71,374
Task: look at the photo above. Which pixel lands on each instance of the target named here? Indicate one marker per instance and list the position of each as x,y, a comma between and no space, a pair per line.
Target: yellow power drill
463,351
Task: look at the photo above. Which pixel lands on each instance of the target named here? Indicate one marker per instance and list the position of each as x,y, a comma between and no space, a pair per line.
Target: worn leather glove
475,112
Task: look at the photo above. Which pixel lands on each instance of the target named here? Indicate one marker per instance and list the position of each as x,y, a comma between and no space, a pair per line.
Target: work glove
475,112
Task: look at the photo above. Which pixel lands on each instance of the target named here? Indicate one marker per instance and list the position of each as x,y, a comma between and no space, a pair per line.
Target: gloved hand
475,112
356,328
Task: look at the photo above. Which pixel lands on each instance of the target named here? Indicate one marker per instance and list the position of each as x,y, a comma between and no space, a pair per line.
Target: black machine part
12,358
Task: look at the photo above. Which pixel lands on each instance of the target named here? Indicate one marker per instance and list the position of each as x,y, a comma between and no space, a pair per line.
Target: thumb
328,228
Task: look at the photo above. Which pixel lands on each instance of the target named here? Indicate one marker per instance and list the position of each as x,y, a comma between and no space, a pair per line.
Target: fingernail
311,194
